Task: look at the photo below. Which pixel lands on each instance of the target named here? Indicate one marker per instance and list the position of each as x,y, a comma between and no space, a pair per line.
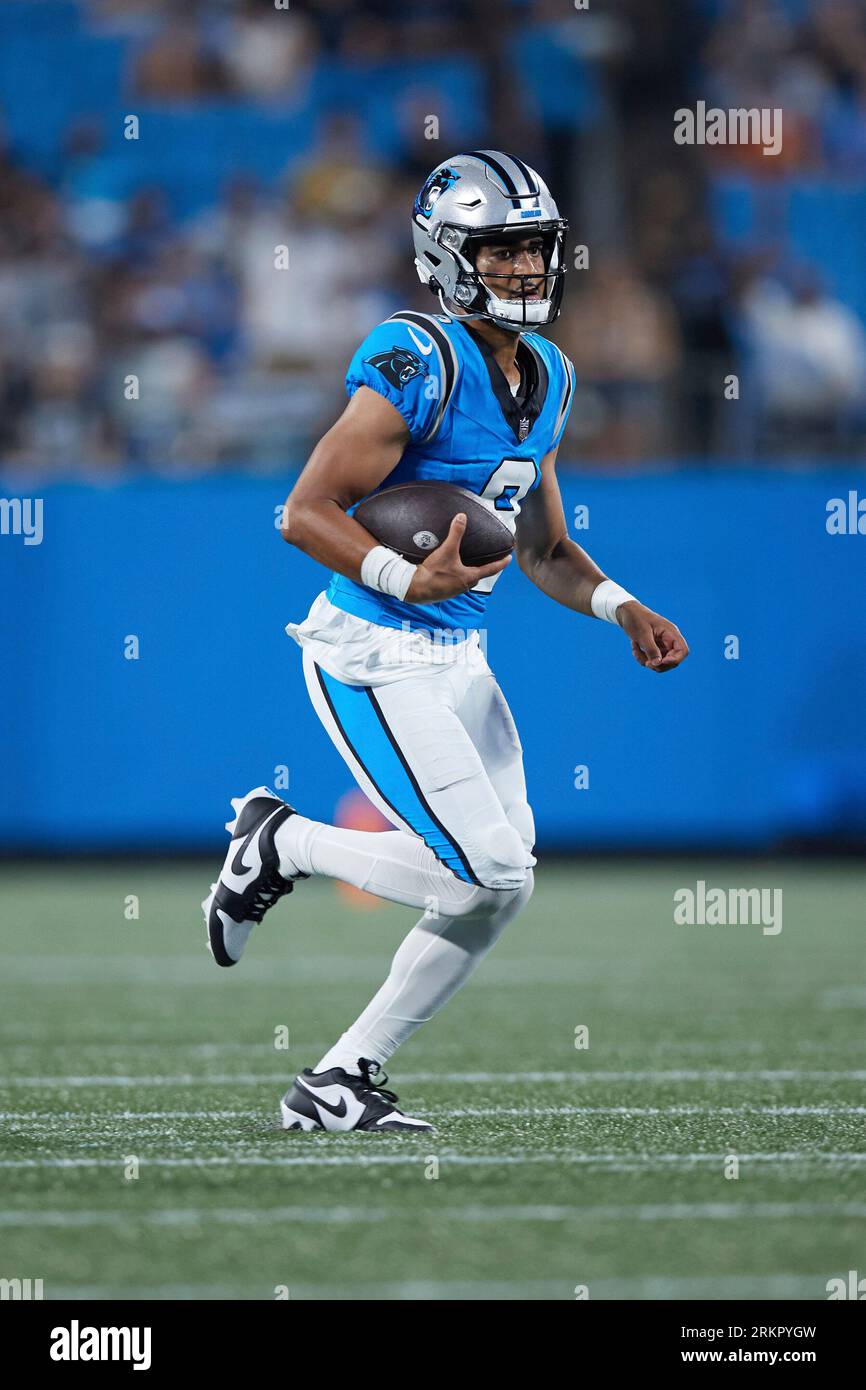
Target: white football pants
435,748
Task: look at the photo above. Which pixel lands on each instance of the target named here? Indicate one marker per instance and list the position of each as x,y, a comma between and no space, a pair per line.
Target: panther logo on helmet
398,366
437,183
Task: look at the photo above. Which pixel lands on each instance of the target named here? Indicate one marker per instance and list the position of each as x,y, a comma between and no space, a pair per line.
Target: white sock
431,964
389,863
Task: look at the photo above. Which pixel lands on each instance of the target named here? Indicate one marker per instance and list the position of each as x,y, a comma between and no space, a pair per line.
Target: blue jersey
466,427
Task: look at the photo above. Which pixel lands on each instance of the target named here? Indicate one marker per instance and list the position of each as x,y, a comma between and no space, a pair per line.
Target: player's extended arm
563,571
348,463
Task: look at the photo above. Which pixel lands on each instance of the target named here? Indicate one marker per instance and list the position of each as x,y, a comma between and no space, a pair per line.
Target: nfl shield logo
523,430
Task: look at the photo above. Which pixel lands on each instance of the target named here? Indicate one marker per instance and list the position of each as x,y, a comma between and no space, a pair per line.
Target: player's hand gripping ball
450,535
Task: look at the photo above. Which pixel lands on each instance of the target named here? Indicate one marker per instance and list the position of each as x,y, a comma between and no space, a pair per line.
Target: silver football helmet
475,199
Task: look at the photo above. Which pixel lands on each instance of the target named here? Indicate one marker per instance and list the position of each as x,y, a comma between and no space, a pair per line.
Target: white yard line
50,1118
419,1157
365,1215
604,1077
185,1079
33,1037
485,1078
843,997
638,1111
649,1287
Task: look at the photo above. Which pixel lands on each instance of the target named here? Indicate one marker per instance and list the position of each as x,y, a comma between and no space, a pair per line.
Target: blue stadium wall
106,753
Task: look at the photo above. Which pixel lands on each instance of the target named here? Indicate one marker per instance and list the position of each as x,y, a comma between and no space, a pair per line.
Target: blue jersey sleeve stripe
448,362
363,727
565,404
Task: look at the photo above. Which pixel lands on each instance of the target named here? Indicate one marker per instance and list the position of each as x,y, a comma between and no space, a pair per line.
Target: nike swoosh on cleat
246,869
338,1111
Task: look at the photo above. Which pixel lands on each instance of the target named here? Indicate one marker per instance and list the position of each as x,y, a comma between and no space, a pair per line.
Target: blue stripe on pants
365,730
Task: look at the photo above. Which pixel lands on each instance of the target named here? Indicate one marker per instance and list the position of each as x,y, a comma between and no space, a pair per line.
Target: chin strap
462,315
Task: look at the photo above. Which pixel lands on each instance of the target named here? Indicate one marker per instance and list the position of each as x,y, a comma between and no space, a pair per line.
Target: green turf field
557,1167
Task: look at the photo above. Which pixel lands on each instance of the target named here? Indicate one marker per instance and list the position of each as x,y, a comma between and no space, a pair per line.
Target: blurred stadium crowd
308,127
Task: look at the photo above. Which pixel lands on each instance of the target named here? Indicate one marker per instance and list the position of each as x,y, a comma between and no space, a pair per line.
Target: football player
472,395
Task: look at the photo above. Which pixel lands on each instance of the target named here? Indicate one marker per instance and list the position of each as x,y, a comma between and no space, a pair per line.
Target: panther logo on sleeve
397,366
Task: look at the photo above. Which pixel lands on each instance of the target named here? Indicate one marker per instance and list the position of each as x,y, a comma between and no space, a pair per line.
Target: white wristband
385,570
606,599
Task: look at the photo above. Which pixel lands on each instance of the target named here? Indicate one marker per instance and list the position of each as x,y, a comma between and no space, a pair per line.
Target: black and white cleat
338,1101
250,881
